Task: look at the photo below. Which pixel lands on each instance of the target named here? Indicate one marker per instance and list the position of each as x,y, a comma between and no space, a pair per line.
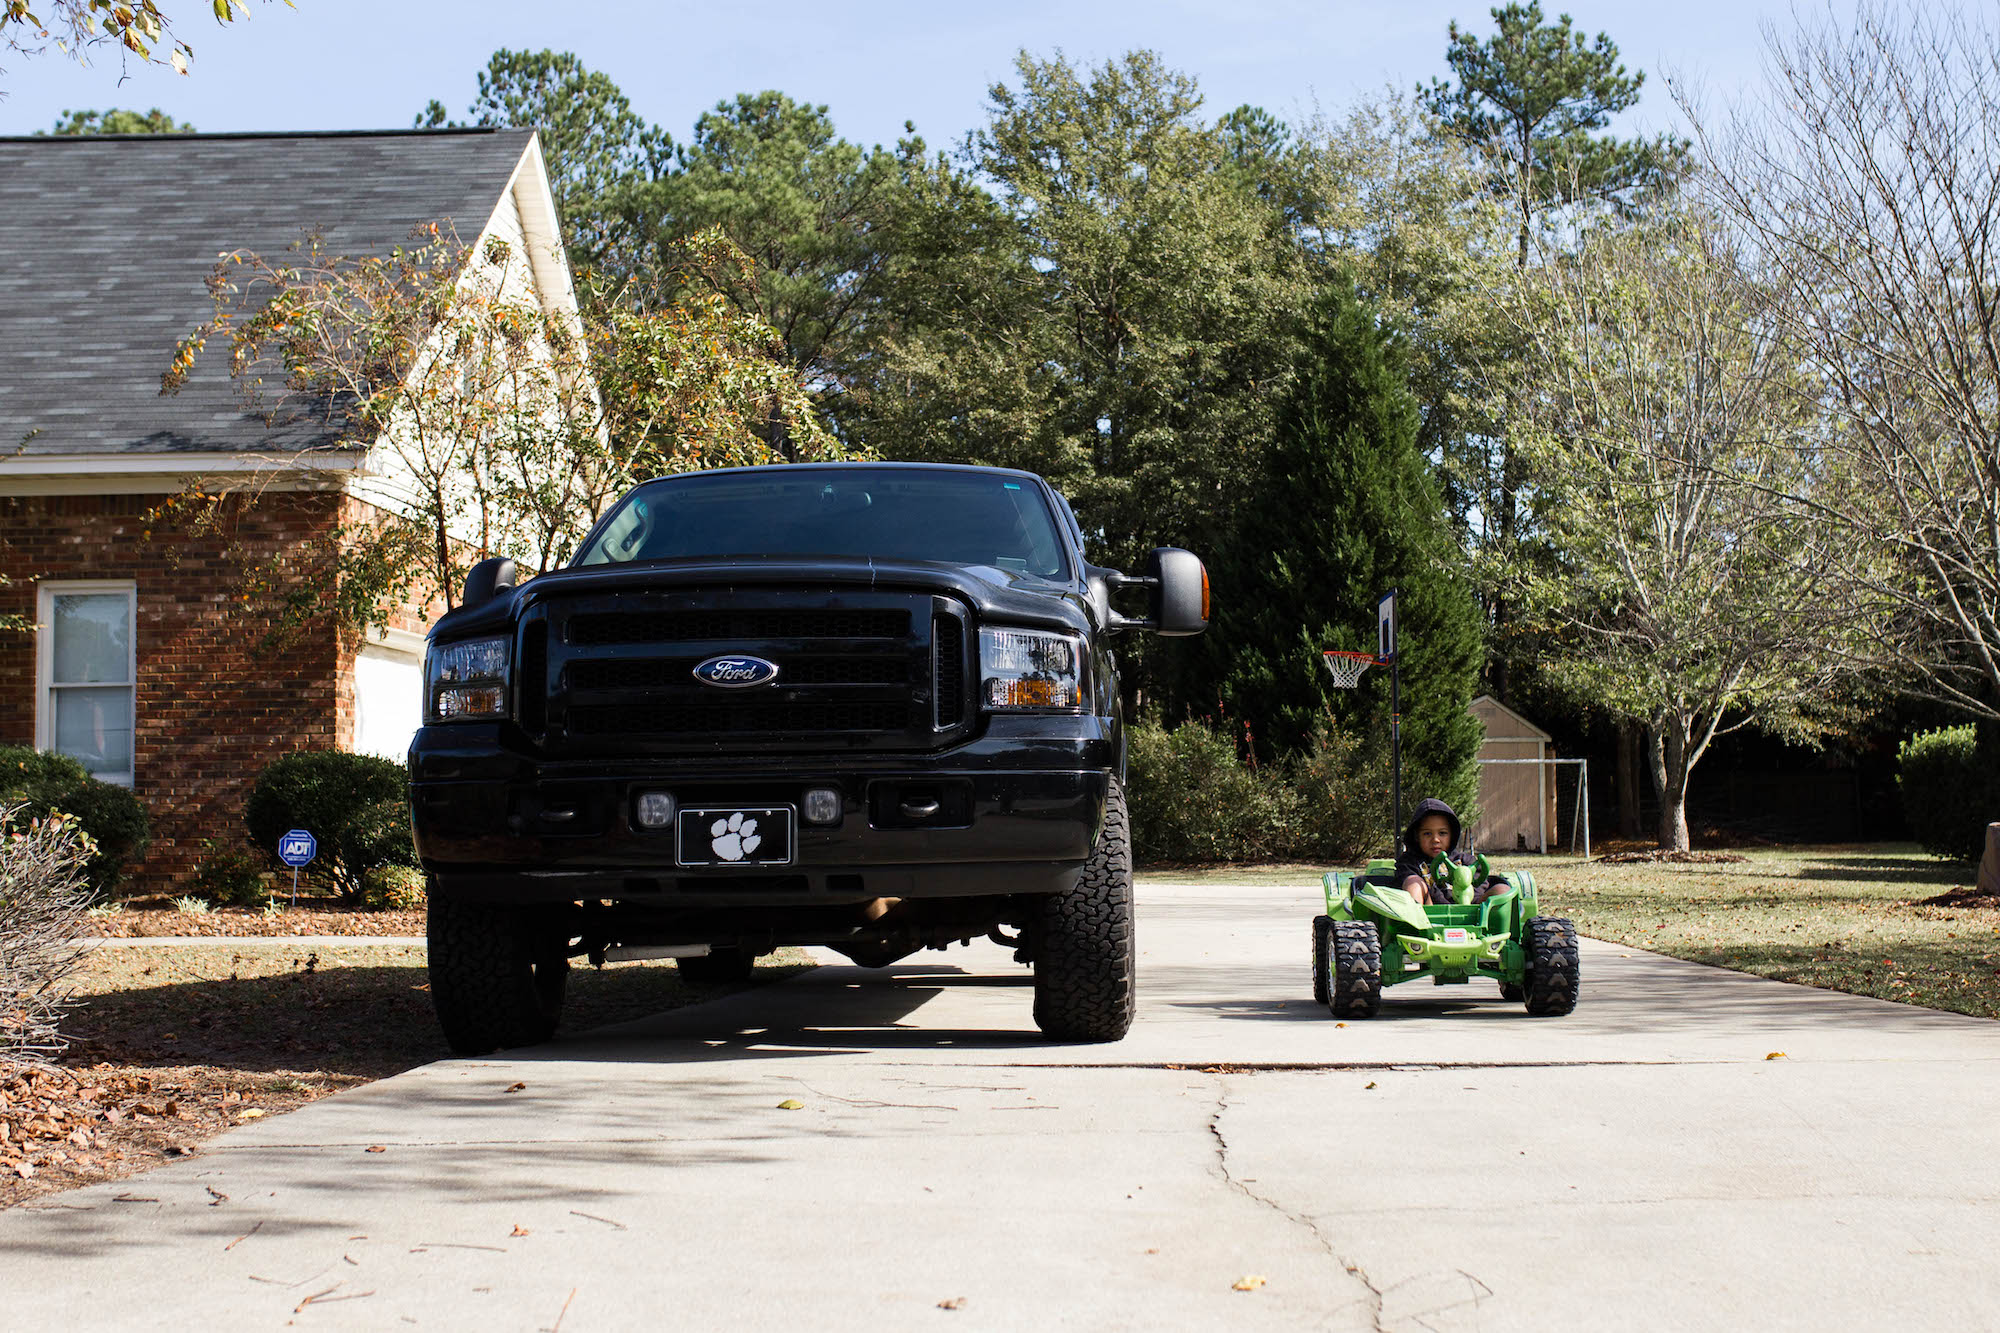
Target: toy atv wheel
1553,976
498,974
1356,974
717,967
1322,959
1085,957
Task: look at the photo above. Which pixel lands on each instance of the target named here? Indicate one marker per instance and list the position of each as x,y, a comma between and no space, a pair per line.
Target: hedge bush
354,804
1343,798
231,874
1191,799
393,888
38,783
1948,798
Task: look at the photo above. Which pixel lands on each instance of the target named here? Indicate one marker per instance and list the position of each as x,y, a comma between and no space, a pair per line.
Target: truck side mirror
487,579
1179,591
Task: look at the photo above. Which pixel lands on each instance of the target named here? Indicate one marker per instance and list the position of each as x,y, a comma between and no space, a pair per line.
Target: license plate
735,835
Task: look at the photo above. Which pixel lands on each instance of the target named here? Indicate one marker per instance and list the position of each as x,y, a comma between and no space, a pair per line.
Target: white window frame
45,647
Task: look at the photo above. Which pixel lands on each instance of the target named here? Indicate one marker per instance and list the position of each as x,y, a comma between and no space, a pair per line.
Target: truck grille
771,623
855,671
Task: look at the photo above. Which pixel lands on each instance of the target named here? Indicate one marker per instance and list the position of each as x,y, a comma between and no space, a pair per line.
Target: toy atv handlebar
1458,879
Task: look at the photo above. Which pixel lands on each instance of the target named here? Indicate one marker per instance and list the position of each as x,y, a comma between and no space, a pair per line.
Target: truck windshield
965,518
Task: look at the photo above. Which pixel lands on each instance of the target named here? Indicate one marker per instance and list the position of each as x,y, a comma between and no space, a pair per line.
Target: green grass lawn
1842,918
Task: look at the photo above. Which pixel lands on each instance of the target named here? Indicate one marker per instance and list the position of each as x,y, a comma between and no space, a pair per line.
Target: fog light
656,809
821,806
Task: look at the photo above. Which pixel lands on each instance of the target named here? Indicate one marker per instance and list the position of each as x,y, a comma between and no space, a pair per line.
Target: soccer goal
1537,805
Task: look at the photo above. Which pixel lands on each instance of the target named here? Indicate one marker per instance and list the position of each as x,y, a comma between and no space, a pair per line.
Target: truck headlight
467,680
1026,669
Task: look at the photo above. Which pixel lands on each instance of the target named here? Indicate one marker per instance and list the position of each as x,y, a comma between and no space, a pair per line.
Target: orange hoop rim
1367,657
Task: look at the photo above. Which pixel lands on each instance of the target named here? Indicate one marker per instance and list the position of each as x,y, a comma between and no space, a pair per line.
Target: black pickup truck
869,706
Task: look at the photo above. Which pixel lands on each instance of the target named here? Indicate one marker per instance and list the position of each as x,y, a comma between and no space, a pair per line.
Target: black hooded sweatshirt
1410,861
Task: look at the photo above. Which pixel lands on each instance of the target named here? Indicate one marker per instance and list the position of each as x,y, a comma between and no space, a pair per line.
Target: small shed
1516,796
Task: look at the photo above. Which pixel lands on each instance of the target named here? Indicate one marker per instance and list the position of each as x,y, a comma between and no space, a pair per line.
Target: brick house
144,663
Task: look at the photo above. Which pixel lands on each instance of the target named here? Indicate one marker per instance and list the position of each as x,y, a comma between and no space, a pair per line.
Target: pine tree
1350,509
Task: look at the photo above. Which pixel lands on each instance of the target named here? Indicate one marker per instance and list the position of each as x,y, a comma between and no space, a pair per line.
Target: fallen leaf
1369,1086
1775,1055
518,1087
376,1147
791,1104
518,1230
1340,1025
953,1303
23,1170
250,1113
1253,1282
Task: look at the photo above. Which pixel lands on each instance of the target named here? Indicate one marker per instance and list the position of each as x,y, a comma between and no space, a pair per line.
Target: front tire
1357,969
1322,959
498,974
1553,977
1085,957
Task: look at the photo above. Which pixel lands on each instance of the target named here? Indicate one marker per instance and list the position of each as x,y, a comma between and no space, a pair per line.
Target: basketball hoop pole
1395,748
1386,650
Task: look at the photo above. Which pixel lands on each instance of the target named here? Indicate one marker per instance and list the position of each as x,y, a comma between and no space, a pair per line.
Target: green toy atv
1373,935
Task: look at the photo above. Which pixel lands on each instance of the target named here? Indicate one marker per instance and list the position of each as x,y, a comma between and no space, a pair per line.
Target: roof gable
109,242
1487,706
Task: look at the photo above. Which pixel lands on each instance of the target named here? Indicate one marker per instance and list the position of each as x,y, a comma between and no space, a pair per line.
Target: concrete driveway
1451,1164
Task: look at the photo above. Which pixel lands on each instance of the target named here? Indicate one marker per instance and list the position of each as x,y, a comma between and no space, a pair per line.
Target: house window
88,670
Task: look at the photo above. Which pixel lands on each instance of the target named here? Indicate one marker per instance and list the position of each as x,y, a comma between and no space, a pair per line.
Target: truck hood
994,594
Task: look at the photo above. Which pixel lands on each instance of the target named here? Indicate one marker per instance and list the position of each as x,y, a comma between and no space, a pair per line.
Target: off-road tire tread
1553,975
1322,959
1357,970
1085,956
496,978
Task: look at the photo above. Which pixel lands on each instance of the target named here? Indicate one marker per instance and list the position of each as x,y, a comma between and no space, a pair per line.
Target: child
1433,832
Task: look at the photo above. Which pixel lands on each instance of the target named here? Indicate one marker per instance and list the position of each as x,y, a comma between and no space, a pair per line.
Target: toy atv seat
1374,935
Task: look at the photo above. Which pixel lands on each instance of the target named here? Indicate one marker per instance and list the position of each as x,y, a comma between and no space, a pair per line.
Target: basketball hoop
1346,667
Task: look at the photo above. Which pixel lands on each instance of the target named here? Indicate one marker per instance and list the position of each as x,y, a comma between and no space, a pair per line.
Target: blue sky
372,64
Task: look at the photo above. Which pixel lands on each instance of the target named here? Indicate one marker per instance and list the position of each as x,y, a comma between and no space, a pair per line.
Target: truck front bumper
489,827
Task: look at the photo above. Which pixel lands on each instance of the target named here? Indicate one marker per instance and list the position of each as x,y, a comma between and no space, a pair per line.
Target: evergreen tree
1350,510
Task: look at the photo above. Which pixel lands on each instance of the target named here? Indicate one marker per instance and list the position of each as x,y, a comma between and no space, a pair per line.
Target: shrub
39,784
231,875
1948,798
44,904
1192,799
393,888
345,801
1342,786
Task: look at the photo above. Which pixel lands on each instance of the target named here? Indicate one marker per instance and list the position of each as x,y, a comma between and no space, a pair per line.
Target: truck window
963,518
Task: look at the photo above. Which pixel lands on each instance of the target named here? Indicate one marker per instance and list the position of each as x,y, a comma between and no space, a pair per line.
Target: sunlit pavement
1692,1148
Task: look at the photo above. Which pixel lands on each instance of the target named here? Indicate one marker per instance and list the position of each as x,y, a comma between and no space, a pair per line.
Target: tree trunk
1628,780
1667,741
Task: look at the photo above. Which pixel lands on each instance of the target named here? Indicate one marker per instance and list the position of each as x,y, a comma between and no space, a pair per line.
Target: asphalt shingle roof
106,243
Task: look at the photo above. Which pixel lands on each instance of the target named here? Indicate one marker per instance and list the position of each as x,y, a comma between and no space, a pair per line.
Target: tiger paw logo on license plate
734,838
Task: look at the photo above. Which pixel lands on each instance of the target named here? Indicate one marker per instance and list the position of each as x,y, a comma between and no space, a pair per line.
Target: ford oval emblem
736,672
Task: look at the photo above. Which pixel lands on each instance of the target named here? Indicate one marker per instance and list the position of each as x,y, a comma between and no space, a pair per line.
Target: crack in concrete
1354,1270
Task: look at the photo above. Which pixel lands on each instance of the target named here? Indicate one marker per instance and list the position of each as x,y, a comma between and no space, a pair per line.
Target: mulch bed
1971,898
1655,856
65,1127
150,919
